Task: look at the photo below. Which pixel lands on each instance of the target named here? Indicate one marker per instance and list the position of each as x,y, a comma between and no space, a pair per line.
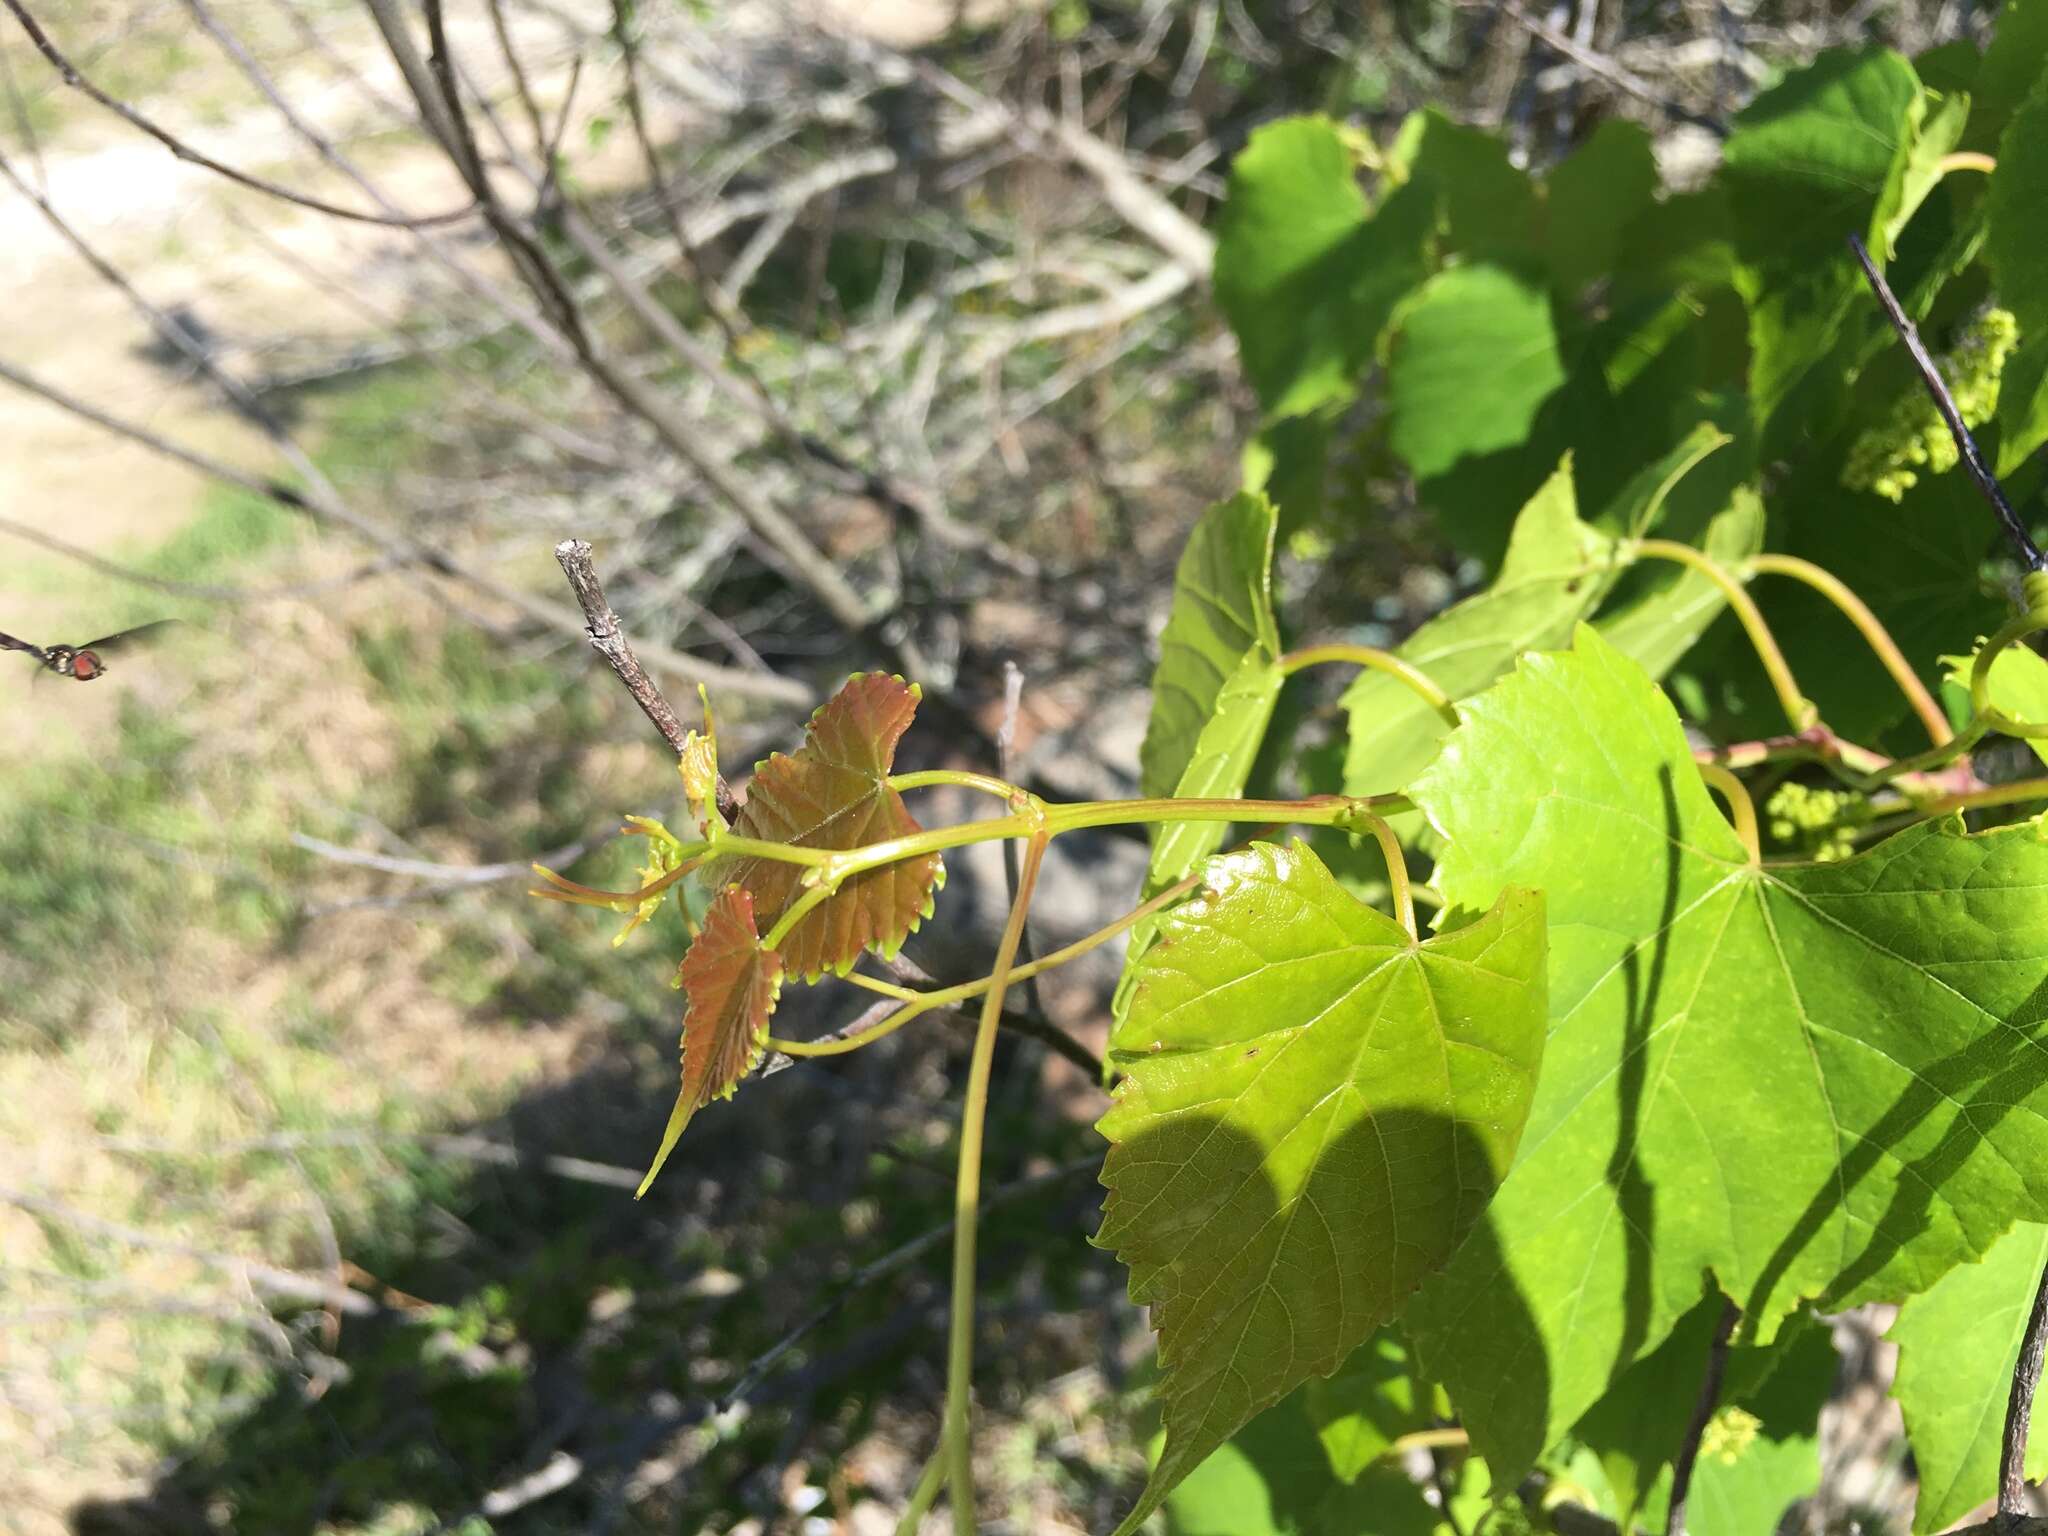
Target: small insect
81,663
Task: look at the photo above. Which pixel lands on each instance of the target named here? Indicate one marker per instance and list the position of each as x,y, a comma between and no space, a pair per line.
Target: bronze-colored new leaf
731,984
833,792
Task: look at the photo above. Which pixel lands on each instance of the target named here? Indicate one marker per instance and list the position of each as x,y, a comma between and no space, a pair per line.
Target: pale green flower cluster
1728,1434
1820,823
1888,459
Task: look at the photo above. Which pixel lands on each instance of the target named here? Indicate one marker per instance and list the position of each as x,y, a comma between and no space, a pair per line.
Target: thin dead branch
72,77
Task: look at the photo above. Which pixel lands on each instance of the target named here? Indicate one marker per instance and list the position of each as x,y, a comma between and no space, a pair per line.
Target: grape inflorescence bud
1889,458
1819,823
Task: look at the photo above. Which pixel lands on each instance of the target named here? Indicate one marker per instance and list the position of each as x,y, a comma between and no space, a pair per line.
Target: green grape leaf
1222,615
1949,67
1811,161
1489,206
731,984
1288,461
1592,197
2016,245
1811,157
1958,1342
1684,242
1217,770
1556,571
1760,1454
1640,1421
2023,405
1213,693
1917,564
1318,1110
1373,1399
833,792
1657,623
1307,278
2014,63
1919,171
1474,356
1270,1479
1810,1080
2018,687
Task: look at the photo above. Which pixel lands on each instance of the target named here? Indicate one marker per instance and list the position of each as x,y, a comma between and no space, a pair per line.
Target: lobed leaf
2014,62
1592,197
1958,1342
1922,579
1373,1399
2018,687
1474,355
1558,571
1809,1081
1318,1110
1222,615
731,984
1812,161
1487,204
1307,276
1271,1479
2016,245
1213,693
833,793
1760,1453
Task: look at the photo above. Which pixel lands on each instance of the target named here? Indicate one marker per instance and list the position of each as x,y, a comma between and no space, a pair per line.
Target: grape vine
1724,1005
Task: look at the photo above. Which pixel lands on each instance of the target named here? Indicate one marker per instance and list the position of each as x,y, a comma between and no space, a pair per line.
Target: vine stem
1379,661
2019,1408
1980,676
834,866
1873,631
916,1003
921,1498
1397,874
957,1434
1740,806
1983,799
960,778
1966,160
1798,708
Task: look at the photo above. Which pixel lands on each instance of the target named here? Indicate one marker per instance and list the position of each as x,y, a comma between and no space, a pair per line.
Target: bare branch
287,1285
72,77
561,1471
204,591
769,688
439,874
1944,402
800,559
1151,215
1702,1414
609,641
478,1149
1603,68
2019,1408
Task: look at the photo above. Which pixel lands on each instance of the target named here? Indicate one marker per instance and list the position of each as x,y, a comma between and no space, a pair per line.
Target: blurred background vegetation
317,1136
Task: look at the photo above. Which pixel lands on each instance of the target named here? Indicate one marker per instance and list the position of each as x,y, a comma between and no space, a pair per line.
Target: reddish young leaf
832,792
731,983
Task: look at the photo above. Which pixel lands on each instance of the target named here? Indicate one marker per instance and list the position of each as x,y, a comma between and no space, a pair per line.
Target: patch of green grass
231,525
371,427
104,860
